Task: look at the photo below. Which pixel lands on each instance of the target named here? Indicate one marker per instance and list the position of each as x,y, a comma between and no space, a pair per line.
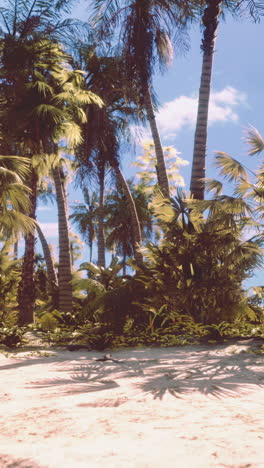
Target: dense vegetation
69,94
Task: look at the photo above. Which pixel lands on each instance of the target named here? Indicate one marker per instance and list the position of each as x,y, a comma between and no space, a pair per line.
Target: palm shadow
223,376
86,378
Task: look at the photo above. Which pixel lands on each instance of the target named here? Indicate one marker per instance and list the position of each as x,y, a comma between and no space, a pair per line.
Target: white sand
190,407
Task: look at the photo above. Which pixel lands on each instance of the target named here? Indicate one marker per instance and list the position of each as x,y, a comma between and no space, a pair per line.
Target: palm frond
213,185
229,167
13,223
72,132
255,141
17,164
162,208
16,195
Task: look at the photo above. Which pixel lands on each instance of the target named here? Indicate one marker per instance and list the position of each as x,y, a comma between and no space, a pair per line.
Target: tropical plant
9,280
199,267
248,183
99,283
14,196
84,217
119,238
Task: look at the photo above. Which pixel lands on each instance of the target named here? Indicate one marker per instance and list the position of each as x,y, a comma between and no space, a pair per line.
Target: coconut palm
147,29
210,21
104,132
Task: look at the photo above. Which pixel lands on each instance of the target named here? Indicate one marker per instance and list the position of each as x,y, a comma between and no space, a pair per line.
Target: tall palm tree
210,21
104,132
147,29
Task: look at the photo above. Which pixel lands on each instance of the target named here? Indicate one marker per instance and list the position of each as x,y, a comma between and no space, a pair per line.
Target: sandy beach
186,407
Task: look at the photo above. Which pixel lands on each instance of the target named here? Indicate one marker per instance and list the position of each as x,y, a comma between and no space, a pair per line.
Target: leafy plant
49,320
9,280
200,264
12,336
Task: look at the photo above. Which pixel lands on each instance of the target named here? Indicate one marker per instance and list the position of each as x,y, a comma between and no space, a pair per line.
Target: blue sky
236,102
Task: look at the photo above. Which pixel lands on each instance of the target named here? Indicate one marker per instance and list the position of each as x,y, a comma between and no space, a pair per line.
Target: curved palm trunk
161,167
210,22
65,276
101,238
26,290
48,259
137,238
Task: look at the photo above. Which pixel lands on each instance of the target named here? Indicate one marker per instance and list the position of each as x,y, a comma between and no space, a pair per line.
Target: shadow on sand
209,370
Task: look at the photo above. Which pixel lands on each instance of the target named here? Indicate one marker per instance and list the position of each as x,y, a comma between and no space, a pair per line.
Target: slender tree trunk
65,277
101,238
136,230
210,22
26,290
91,251
160,167
52,275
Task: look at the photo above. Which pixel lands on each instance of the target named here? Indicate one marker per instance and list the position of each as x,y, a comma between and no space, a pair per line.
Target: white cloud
50,230
182,111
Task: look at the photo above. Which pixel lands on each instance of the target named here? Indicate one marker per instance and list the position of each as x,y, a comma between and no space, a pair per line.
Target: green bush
12,336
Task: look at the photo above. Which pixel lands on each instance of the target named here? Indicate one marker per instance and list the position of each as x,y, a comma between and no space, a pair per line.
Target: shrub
12,336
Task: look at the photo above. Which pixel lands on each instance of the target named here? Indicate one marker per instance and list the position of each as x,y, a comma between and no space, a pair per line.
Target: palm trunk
136,230
210,22
160,167
65,277
48,259
91,251
26,290
101,239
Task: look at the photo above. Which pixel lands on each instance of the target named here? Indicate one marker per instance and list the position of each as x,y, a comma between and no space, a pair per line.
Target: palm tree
47,106
146,30
103,133
84,217
210,21
119,231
